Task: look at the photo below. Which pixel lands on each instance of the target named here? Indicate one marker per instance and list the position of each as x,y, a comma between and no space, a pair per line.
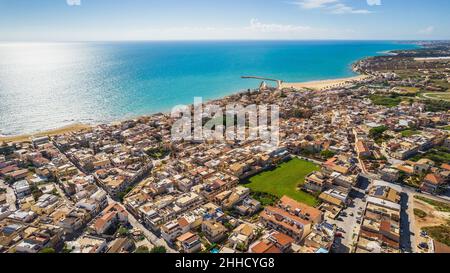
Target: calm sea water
48,85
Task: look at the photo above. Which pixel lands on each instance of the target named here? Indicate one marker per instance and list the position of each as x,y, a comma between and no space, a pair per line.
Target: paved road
349,222
407,235
10,196
152,238
63,194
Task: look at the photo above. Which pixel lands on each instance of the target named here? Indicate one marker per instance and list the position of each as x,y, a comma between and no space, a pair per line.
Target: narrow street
10,196
407,236
62,194
152,238
350,223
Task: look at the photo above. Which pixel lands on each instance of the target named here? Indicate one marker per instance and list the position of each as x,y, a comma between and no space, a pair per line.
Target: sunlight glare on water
49,85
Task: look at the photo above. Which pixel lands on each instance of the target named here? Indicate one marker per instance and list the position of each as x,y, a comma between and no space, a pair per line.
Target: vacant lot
440,233
285,180
433,217
439,155
440,206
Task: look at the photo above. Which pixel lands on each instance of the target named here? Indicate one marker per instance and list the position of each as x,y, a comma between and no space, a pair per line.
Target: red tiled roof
185,237
390,243
8,169
313,212
183,222
18,173
368,234
434,179
264,247
385,226
282,239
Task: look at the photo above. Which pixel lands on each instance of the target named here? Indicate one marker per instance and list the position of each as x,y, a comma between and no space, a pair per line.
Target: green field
284,180
409,133
387,101
439,96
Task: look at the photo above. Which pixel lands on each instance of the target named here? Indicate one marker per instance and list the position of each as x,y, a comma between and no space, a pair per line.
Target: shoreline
323,85
319,85
77,127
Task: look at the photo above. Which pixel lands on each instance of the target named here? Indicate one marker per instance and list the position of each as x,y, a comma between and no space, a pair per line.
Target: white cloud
427,30
335,6
73,2
256,25
314,4
344,9
374,2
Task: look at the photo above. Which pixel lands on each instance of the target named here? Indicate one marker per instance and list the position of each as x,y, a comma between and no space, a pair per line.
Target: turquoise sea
49,85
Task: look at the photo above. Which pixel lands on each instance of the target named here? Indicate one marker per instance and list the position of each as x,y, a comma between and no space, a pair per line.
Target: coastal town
362,166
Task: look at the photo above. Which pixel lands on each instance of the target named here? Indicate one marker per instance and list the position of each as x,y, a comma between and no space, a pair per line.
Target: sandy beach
59,131
325,84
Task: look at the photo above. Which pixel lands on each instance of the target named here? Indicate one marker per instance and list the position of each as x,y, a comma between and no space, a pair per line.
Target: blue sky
82,20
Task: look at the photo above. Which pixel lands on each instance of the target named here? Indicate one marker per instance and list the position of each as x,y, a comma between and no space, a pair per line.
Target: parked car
424,246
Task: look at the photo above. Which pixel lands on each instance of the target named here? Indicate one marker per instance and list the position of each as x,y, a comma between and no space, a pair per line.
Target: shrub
420,213
142,249
158,249
47,250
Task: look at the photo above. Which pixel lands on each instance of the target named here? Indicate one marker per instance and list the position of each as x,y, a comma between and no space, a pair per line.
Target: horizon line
220,40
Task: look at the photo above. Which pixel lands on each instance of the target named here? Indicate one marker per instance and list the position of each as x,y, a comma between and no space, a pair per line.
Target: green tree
66,249
123,231
121,195
158,249
142,249
377,132
327,154
47,250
